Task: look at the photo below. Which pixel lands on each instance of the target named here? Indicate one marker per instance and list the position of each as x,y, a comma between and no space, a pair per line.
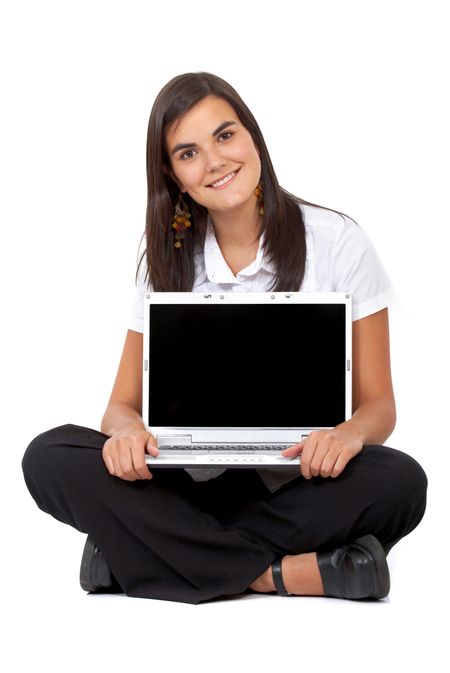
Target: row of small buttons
234,459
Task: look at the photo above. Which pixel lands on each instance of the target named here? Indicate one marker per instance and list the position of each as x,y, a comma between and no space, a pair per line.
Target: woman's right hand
124,454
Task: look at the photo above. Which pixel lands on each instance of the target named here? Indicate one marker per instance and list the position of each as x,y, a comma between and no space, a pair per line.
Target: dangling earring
259,196
180,220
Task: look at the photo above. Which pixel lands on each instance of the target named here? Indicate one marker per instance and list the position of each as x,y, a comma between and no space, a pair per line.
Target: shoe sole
372,546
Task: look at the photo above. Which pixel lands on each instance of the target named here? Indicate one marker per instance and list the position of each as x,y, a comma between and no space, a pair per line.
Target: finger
292,451
109,463
339,465
125,460
138,458
328,463
109,452
307,456
320,458
107,458
321,454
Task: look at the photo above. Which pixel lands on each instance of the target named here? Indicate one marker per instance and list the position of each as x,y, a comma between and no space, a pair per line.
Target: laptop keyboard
231,455
246,448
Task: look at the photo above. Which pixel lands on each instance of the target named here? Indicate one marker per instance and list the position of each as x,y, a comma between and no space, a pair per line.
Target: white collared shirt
339,258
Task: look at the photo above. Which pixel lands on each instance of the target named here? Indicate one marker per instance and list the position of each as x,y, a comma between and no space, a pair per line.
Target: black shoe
95,576
358,570
355,571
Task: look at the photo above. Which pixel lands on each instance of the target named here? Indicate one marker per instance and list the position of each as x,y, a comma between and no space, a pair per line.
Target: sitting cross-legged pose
218,221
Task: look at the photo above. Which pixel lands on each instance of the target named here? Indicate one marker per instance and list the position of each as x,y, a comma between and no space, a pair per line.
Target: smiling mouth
223,181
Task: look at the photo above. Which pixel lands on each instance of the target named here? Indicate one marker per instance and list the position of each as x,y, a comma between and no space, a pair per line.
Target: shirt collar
218,270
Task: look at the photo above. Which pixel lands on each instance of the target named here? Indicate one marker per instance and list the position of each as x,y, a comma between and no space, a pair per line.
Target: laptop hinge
174,439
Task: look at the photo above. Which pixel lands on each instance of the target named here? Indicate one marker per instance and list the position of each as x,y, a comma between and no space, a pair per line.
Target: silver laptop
233,379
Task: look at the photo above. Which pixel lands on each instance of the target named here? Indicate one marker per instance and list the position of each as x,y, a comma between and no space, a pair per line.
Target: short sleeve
359,271
136,321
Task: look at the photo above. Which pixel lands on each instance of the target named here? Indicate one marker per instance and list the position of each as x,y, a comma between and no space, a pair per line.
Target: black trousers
176,539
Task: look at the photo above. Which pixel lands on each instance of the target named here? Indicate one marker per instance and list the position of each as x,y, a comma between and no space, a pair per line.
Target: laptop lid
245,367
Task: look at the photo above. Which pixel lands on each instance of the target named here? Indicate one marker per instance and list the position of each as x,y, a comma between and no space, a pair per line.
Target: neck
237,228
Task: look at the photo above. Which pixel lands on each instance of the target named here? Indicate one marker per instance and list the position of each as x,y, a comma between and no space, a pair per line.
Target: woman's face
213,157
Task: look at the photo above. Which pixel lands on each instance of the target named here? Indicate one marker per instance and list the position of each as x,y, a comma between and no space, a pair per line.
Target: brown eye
183,156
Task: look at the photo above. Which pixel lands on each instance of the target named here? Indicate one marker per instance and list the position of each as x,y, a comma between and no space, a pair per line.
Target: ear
168,171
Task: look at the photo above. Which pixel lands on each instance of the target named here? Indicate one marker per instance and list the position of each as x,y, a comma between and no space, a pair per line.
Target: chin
238,200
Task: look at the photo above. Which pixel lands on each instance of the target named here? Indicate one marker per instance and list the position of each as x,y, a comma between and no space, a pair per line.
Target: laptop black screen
240,365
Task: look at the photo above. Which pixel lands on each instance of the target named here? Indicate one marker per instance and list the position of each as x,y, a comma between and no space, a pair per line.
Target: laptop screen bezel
241,433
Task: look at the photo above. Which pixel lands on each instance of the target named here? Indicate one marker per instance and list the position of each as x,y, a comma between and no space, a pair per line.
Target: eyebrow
184,146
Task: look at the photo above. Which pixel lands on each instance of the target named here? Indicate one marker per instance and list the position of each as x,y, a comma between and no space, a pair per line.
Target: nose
215,161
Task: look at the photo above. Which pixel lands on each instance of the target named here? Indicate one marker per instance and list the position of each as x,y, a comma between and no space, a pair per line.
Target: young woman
218,220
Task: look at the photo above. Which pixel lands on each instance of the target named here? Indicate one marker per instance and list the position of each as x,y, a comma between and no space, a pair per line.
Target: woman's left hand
325,453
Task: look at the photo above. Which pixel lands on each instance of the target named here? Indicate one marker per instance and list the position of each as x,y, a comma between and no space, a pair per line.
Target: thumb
151,447
294,450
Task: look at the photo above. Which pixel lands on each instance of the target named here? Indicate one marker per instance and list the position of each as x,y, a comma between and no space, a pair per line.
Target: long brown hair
173,269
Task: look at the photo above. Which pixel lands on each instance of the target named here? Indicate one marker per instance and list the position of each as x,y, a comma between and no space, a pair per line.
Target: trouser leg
157,536
382,491
176,539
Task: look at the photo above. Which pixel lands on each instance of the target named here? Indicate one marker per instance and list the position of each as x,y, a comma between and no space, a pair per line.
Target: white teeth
224,180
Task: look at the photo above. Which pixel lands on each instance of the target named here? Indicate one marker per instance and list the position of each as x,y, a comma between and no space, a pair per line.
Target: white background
351,99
